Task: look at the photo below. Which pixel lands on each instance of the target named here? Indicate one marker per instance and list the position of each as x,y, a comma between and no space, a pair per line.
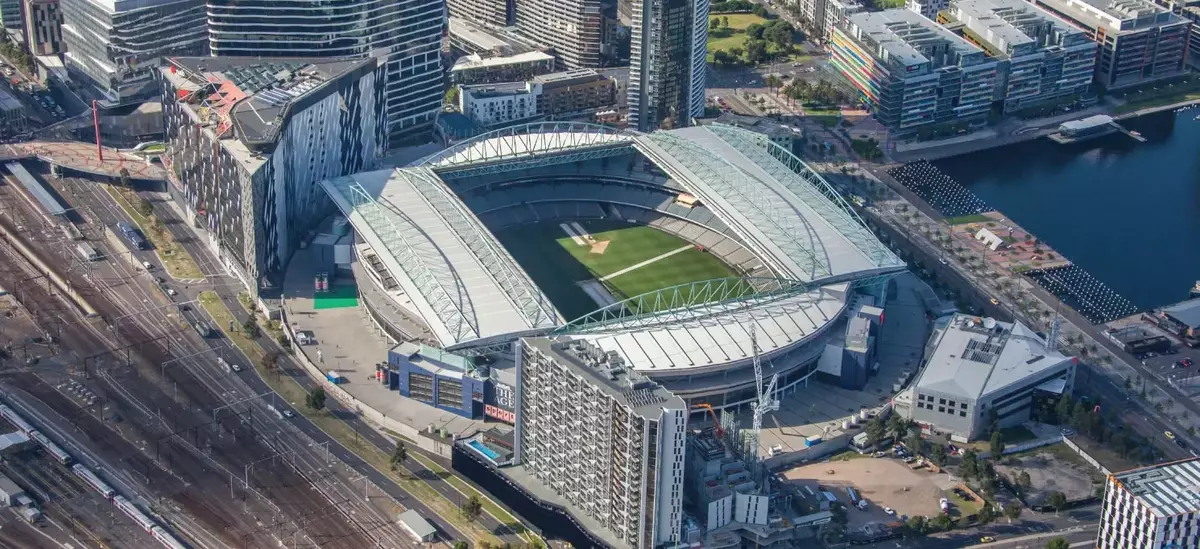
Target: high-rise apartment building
11,22
494,13
607,440
251,138
1042,58
667,63
117,44
1139,41
1156,507
927,8
43,27
912,71
405,35
577,30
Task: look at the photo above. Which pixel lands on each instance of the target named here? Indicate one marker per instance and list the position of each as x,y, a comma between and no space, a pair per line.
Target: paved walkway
83,157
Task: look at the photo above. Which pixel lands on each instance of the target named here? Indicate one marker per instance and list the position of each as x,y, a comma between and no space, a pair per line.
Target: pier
1091,127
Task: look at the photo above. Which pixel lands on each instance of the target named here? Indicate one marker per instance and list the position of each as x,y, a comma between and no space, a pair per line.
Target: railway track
312,500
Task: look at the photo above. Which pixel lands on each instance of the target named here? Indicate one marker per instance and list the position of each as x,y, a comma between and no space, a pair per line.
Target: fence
443,449
1086,457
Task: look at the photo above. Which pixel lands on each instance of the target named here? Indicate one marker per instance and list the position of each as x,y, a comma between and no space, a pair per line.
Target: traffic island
175,259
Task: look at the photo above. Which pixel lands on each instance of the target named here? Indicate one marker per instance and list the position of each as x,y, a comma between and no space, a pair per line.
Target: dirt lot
884,482
1052,468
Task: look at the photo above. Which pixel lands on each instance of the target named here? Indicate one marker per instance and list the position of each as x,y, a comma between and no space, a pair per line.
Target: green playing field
630,260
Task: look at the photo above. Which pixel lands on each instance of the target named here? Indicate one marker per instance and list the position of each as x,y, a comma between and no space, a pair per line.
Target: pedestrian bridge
83,157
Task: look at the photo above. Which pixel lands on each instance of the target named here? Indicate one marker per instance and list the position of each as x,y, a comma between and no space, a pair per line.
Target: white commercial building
500,104
981,370
604,438
1155,507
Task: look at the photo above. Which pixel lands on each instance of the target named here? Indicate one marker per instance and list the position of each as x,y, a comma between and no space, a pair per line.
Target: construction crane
717,429
766,401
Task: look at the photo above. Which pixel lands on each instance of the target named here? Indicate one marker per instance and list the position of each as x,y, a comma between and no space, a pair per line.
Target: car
171,292
987,539
1067,432
1169,435
289,413
148,265
235,367
1187,361
889,511
994,301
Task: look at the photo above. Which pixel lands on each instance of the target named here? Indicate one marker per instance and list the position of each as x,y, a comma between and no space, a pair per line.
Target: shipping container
814,440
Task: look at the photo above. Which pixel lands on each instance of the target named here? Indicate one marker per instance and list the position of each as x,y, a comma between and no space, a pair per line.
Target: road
946,268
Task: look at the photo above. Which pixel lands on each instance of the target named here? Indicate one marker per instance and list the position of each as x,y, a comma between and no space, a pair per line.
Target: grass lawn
827,118
965,508
964,219
176,260
735,35
291,391
556,263
630,246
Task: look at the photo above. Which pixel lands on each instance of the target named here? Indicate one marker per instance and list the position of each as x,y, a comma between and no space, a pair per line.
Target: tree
996,445
460,545
1056,500
756,51
250,328
938,455
1058,543
123,177
1063,409
773,82
472,508
754,31
315,399
987,471
714,23
986,514
917,524
875,431
725,21
145,207
399,455
270,362
1023,481
915,443
969,466
722,57
779,32
942,522
452,96
1012,510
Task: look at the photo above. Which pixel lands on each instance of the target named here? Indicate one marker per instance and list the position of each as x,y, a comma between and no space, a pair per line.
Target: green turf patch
557,263
338,297
964,219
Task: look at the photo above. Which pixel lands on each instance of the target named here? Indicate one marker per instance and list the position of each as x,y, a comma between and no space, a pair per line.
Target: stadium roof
463,282
725,337
1167,490
976,357
468,288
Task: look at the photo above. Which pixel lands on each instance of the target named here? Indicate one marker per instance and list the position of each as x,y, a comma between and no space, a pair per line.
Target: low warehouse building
9,491
417,526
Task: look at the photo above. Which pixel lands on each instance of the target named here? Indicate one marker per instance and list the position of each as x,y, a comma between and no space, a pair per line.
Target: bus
132,235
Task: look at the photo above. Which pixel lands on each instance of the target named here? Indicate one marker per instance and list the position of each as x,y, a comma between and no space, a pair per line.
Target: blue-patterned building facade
250,138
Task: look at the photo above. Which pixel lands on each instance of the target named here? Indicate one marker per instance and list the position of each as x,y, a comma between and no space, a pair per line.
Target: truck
86,252
333,377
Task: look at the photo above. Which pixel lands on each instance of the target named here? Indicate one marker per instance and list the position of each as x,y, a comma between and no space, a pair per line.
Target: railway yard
119,377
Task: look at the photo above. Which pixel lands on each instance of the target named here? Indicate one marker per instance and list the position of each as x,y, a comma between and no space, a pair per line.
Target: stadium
668,250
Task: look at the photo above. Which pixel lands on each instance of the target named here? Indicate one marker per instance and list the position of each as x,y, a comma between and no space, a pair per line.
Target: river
1127,212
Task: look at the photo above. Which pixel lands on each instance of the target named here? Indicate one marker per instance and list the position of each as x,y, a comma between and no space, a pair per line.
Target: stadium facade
802,257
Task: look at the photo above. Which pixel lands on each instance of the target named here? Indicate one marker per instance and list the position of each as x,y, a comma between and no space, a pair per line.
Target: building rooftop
50,205
611,374
497,90
9,103
475,61
247,98
15,438
417,524
1007,24
478,38
1166,490
1117,15
8,487
977,356
1187,312
907,38
438,361
567,77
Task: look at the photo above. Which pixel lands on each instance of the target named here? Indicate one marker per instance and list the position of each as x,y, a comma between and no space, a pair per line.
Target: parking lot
885,483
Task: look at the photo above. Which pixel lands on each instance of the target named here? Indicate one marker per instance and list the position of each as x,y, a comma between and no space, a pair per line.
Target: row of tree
16,53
